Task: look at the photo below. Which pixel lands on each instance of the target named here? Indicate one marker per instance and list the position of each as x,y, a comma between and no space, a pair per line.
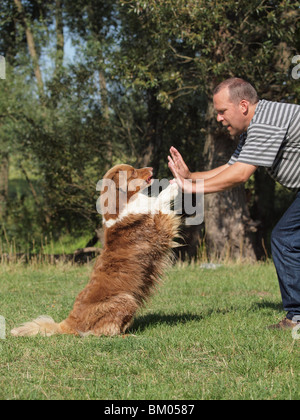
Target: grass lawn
202,336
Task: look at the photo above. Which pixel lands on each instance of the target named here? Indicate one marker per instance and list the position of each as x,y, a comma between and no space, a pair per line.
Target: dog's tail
43,325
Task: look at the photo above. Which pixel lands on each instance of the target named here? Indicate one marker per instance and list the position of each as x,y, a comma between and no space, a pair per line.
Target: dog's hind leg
116,316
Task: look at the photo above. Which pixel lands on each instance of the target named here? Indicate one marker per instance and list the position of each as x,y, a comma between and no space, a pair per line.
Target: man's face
229,114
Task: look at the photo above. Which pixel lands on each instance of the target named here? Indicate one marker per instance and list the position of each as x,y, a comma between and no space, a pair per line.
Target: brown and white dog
139,233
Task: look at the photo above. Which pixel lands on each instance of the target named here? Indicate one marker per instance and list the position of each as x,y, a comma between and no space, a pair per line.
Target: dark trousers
286,257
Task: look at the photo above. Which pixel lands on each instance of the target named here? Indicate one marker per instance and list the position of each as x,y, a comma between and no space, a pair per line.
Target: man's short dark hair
239,89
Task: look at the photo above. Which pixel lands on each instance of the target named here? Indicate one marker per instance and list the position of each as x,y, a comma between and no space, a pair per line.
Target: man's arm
229,177
208,174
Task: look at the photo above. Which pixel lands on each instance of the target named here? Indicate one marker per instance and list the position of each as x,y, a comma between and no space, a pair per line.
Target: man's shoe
285,324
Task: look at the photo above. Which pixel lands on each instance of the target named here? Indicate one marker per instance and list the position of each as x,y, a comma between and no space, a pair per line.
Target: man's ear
244,106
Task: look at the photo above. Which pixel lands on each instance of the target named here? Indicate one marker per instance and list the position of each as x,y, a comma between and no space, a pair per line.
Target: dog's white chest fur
142,204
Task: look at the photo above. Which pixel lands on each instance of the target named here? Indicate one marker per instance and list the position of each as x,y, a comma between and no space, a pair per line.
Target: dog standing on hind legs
139,233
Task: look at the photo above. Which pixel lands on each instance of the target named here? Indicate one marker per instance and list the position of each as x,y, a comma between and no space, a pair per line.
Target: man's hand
228,178
180,171
177,164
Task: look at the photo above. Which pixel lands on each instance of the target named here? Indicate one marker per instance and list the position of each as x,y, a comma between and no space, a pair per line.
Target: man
269,137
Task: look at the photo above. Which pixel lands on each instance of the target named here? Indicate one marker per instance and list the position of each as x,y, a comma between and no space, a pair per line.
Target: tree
204,42
31,46
141,80
62,123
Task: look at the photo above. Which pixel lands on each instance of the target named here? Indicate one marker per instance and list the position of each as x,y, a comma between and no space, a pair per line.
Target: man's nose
220,118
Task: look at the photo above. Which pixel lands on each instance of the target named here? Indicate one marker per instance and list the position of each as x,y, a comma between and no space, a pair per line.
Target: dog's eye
134,174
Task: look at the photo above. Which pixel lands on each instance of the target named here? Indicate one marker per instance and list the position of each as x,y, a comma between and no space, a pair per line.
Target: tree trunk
104,95
228,226
4,168
150,154
60,40
31,48
105,108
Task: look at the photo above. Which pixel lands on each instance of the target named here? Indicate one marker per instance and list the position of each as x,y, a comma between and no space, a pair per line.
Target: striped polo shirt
273,141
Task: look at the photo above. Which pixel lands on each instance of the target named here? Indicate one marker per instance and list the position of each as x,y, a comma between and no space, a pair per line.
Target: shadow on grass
143,322
268,305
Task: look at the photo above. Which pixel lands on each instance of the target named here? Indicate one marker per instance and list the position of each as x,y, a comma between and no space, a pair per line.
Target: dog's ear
107,202
113,196
121,181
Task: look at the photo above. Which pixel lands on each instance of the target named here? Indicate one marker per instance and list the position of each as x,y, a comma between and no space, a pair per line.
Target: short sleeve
262,145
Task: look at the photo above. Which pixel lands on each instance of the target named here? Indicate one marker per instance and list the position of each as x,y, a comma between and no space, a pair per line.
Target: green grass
66,244
202,336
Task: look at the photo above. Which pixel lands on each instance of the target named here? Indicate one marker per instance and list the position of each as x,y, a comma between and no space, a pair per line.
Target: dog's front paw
173,190
167,195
